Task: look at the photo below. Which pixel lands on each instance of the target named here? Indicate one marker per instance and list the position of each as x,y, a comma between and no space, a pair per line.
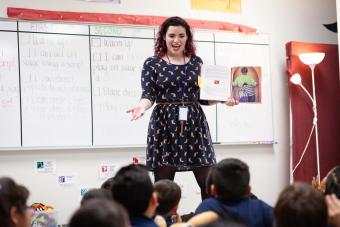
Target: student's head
13,208
100,212
333,182
133,188
168,196
230,179
98,193
107,184
174,35
300,205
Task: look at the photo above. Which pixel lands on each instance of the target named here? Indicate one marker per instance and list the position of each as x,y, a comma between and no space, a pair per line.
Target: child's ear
154,199
174,209
14,215
213,190
248,191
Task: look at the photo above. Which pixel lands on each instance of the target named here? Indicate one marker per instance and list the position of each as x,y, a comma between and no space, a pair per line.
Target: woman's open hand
136,112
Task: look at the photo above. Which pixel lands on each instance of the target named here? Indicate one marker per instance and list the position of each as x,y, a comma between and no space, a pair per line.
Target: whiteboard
56,90
10,127
246,122
116,73
69,85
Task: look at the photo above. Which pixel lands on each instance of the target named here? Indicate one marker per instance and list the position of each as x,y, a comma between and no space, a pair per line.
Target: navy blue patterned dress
167,85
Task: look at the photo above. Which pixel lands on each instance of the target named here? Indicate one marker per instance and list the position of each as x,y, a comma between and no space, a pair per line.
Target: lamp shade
296,79
312,58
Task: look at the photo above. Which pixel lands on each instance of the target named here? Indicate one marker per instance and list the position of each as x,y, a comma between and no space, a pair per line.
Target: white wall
283,20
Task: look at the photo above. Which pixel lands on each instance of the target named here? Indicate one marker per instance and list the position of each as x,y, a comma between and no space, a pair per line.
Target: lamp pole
311,59
315,122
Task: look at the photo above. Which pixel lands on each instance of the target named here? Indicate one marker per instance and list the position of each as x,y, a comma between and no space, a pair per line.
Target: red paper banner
34,14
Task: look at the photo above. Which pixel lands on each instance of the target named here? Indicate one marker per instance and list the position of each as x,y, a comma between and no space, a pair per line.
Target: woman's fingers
231,102
136,113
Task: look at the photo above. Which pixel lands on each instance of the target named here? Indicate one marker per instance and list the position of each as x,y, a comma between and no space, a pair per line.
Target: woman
178,136
13,209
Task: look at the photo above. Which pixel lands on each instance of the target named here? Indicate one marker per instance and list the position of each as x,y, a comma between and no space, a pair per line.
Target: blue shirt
254,212
142,221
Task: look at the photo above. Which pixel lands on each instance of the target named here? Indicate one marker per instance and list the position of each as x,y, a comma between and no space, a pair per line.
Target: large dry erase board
69,85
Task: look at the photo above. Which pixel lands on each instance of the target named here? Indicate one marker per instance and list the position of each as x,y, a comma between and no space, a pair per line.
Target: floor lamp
310,59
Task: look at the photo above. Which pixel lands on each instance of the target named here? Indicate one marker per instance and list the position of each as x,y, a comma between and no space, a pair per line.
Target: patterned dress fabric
170,86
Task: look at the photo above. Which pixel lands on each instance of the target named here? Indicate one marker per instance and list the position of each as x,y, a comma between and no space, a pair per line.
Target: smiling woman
178,136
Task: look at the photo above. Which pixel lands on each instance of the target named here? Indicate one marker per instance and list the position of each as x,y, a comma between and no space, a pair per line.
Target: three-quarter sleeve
148,80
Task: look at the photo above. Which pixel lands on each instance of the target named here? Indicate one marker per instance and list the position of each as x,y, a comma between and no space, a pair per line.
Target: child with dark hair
332,184
230,185
96,193
13,208
100,212
212,193
300,205
133,188
168,196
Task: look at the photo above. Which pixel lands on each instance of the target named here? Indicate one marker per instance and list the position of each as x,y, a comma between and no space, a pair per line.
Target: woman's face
175,39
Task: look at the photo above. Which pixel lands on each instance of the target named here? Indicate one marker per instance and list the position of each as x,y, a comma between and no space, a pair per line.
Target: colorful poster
228,6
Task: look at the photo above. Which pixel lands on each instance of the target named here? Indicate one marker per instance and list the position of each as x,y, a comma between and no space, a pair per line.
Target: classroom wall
283,20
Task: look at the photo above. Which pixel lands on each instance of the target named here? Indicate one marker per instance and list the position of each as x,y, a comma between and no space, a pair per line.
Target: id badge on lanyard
183,113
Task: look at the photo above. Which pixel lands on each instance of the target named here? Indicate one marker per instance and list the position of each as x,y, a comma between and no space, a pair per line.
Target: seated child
13,204
133,189
230,186
96,193
168,196
100,212
332,192
332,182
300,205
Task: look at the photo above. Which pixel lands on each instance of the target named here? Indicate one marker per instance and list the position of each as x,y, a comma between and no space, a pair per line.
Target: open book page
214,82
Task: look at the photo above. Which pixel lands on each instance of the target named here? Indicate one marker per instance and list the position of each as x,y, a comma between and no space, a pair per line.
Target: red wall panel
328,105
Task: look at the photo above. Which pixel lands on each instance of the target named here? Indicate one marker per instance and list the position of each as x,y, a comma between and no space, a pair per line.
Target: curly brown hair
160,45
